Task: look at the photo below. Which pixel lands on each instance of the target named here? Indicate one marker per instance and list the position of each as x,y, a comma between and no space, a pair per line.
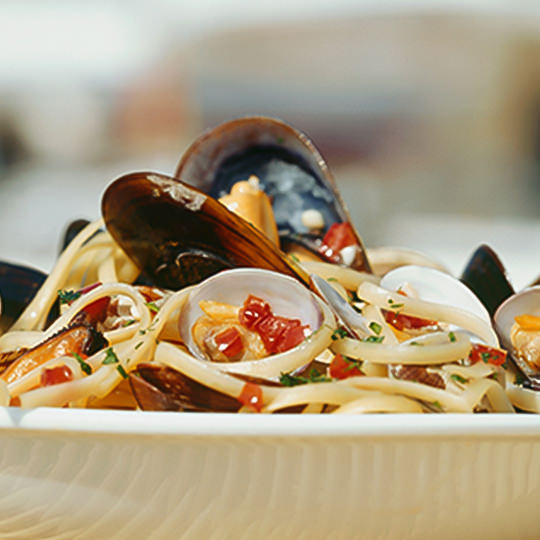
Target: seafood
486,276
18,284
287,298
305,198
517,322
178,235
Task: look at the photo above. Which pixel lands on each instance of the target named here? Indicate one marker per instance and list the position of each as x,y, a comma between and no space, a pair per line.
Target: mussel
290,169
178,235
18,285
486,276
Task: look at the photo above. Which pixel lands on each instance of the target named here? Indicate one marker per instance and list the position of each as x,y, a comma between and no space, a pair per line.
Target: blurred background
428,112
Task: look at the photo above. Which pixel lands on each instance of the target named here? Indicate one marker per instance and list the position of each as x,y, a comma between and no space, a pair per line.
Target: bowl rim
147,424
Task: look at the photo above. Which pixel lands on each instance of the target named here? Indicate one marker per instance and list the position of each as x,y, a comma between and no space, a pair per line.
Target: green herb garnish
485,357
110,357
122,372
87,368
416,344
393,305
286,379
339,333
520,379
374,339
437,405
129,323
458,378
294,257
452,336
331,279
66,297
375,327
152,307
140,344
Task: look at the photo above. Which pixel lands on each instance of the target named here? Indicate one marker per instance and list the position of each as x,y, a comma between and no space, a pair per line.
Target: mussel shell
18,285
486,276
178,235
290,169
72,230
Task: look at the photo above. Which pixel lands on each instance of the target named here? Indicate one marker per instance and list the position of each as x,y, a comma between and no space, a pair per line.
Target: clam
289,168
286,297
486,276
178,235
435,286
521,337
18,285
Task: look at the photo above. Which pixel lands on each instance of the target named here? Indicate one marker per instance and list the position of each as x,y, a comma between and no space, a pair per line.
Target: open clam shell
525,302
178,235
287,297
290,169
435,286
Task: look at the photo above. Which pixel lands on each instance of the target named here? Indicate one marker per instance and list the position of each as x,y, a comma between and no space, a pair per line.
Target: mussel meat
290,169
178,235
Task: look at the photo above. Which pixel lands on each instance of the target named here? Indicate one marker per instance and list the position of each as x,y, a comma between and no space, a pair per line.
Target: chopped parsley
339,333
294,257
142,332
520,379
110,357
286,379
152,307
66,297
485,357
375,327
129,323
139,344
452,336
374,339
87,368
437,405
331,279
393,305
416,344
458,378
353,364
122,371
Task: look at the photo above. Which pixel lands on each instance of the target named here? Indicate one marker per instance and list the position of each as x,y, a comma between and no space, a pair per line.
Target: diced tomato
338,236
342,368
229,342
97,311
89,288
56,375
279,334
406,322
251,396
254,311
489,355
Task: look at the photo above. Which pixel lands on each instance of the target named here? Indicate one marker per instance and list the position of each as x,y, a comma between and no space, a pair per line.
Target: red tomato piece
406,322
229,342
251,396
254,310
56,375
97,311
89,288
343,368
489,355
279,334
338,236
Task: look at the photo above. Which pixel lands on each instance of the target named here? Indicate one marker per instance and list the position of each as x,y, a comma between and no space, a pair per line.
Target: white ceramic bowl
67,473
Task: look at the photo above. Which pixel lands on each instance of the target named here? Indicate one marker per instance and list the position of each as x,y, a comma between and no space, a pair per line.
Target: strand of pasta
405,353
430,310
379,402
33,317
348,277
